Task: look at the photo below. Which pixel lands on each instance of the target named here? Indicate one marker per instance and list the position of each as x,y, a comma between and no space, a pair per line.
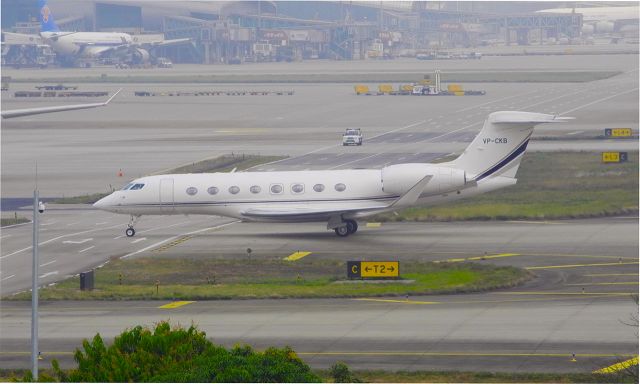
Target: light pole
37,209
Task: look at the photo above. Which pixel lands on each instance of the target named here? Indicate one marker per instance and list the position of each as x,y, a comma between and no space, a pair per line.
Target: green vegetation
84,199
223,163
550,186
166,354
207,278
6,221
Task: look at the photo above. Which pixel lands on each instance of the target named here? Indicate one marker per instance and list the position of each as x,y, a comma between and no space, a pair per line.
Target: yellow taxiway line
619,283
460,354
297,255
175,304
374,225
567,293
581,265
400,301
619,366
485,257
611,274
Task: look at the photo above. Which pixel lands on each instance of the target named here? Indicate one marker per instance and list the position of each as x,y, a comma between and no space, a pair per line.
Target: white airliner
337,197
58,108
78,45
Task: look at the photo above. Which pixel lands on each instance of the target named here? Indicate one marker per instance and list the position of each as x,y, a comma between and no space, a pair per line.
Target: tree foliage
166,354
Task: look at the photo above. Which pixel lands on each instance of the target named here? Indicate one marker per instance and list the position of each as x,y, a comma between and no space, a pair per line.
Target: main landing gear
350,227
130,231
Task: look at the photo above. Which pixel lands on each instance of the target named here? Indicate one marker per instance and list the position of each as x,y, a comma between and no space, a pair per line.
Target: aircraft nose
102,203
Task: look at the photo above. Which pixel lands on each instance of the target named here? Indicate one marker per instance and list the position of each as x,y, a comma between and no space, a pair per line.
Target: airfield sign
373,269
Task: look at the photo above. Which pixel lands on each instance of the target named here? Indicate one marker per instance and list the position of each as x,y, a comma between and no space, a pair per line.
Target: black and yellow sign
614,157
617,132
366,269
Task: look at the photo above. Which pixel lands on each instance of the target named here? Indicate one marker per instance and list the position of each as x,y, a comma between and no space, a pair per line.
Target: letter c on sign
354,269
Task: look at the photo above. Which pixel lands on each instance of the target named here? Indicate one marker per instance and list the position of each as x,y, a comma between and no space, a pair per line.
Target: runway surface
586,271
82,152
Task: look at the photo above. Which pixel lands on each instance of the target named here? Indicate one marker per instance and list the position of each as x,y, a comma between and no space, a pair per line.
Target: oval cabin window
297,188
212,190
255,189
340,187
276,189
234,190
191,191
318,187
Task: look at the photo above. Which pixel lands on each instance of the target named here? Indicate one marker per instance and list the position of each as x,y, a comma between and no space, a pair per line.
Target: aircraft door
166,195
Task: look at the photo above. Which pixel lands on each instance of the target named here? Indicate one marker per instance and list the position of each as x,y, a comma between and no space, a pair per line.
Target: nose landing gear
130,231
350,227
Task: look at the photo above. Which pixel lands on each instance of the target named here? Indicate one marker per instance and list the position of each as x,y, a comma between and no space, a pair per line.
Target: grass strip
7,221
206,279
550,185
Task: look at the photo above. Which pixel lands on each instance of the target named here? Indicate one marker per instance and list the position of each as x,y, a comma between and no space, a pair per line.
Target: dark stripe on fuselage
517,152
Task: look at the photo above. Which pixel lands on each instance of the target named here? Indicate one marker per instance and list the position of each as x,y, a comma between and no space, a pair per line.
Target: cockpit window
136,187
127,186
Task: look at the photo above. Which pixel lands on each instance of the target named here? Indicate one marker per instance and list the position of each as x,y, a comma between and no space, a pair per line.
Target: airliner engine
398,179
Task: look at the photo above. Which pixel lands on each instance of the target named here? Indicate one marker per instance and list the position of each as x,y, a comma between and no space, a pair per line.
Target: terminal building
236,32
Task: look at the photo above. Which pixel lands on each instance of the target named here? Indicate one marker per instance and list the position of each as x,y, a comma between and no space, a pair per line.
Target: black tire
130,232
342,231
352,226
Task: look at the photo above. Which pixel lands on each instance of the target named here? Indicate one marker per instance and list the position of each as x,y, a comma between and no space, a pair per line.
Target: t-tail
47,24
500,145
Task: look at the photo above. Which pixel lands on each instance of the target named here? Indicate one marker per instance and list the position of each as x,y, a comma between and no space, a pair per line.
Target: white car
353,136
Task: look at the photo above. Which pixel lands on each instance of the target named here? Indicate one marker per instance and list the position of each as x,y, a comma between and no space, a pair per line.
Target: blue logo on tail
47,24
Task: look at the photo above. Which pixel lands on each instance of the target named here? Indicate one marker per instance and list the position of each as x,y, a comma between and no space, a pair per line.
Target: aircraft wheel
130,232
342,231
352,226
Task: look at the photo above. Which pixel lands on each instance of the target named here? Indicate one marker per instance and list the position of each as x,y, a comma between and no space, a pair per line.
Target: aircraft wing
166,43
307,214
60,108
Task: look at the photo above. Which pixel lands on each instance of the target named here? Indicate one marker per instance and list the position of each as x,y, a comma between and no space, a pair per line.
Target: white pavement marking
102,223
77,241
339,145
574,133
58,238
177,236
431,139
86,249
48,274
599,100
139,240
5,236
17,225
49,223
7,278
49,263
153,229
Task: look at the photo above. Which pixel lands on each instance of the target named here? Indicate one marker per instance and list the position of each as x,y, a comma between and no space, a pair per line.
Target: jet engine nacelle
604,27
398,179
140,56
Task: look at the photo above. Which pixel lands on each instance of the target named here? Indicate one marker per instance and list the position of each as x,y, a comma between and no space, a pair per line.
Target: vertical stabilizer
47,24
498,148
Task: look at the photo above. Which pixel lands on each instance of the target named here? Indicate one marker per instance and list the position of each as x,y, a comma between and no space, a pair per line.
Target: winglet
412,195
111,98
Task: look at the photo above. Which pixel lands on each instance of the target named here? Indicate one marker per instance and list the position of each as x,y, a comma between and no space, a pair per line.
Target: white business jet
337,197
